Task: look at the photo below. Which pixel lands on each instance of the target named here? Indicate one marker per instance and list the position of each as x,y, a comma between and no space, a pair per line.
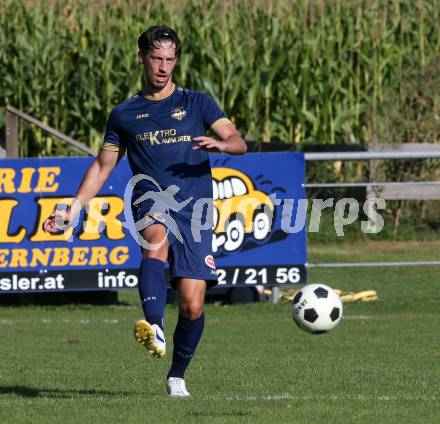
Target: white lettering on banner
260,275
16,283
121,280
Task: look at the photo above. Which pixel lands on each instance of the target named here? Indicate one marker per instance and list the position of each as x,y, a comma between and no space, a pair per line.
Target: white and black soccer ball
317,308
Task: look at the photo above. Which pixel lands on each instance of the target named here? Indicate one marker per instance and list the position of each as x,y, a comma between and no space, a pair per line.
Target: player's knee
161,253
192,310
156,243
157,247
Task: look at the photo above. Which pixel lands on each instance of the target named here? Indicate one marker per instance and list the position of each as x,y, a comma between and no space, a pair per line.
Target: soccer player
162,129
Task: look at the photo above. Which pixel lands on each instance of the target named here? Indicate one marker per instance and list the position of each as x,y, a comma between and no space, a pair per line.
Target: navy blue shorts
190,248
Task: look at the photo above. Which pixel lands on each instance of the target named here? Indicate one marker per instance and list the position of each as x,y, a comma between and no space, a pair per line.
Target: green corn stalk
298,71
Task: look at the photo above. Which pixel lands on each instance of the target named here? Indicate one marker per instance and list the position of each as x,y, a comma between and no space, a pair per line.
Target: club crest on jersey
178,113
209,260
142,116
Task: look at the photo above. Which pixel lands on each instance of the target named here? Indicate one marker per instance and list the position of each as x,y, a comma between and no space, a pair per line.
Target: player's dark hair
154,35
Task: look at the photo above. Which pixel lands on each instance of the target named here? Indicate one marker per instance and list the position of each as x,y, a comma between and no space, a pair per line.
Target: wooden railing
13,117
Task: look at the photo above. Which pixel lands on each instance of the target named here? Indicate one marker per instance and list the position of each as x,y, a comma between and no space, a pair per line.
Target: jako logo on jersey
178,113
209,260
142,116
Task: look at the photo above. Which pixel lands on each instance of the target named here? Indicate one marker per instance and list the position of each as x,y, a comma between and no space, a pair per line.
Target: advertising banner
259,225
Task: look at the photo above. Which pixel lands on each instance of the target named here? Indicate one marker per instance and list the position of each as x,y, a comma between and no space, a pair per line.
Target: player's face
159,64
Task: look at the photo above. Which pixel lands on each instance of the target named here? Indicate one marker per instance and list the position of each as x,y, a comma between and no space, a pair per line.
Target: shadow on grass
33,392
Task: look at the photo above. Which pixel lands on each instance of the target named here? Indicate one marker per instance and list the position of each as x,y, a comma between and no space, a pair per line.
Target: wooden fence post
11,135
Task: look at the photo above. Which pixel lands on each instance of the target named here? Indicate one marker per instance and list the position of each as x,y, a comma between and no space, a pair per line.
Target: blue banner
259,225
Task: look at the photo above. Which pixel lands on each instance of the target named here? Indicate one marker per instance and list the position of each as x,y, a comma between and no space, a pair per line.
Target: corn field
296,71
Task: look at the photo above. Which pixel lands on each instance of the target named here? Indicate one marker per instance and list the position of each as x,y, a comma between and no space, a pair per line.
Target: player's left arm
230,141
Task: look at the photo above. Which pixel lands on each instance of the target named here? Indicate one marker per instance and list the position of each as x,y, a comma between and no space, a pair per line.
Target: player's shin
153,290
186,338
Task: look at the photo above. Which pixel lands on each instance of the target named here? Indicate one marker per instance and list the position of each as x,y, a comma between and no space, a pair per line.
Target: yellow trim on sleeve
220,122
110,147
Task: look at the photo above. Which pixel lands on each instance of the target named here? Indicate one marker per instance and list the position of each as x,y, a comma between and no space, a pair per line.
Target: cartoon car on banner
239,210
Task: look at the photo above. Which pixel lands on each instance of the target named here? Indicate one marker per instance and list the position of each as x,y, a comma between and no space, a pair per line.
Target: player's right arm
97,175
92,182
108,157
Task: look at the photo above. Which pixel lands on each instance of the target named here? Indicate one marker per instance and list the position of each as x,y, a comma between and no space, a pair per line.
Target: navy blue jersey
158,136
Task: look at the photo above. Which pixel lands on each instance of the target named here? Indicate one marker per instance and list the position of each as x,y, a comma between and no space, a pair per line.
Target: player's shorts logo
209,260
178,113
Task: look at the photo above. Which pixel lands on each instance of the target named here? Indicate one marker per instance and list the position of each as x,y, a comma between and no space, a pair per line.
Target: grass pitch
78,364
